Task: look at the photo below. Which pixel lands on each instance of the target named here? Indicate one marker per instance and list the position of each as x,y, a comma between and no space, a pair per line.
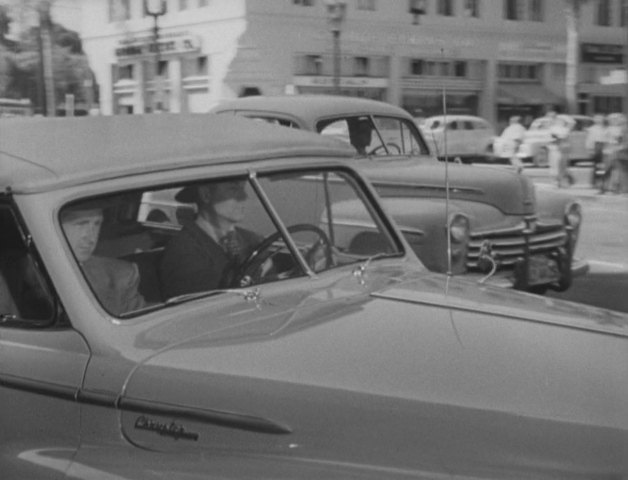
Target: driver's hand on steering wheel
316,257
266,267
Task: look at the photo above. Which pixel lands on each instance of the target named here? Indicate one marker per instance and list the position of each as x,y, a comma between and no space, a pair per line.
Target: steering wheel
386,147
251,271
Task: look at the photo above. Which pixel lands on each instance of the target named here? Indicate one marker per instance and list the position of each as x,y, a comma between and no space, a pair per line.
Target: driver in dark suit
207,252
360,134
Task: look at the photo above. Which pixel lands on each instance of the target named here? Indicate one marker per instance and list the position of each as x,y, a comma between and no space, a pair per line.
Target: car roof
456,117
46,153
307,109
568,115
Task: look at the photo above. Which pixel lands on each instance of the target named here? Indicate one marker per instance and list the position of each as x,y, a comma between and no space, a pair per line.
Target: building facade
491,58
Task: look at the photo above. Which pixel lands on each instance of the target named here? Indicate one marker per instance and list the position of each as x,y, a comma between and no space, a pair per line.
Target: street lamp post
336,11
155,9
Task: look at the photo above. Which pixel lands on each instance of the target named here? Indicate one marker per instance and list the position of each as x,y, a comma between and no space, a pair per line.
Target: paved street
603,242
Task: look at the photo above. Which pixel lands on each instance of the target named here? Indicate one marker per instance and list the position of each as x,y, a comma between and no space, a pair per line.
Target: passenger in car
115,282
360,133
208,251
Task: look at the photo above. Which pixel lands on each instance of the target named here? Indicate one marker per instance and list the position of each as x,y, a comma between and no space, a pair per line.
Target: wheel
251,271
541,158
386,147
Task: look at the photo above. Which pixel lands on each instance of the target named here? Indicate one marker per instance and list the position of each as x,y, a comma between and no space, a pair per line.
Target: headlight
459,232
459,229
573,215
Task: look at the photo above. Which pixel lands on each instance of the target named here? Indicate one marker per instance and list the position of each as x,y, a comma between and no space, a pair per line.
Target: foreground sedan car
357,363
485,223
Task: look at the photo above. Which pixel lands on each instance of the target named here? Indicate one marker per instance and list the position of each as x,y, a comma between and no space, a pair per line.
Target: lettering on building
145,46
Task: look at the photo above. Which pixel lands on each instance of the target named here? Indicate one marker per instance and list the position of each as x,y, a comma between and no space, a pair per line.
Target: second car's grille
508,246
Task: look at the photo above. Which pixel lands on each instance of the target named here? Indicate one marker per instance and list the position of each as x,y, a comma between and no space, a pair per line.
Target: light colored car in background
355,364
486,223
469,138
534,148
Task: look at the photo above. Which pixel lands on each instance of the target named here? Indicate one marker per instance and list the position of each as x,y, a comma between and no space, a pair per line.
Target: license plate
542,270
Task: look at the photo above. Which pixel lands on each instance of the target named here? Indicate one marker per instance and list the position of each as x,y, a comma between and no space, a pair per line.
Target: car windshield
149,248
376,135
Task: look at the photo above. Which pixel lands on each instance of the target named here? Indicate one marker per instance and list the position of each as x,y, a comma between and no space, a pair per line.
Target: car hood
379,377
510,192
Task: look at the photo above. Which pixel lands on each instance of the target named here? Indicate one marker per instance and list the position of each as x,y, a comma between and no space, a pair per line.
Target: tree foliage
21,63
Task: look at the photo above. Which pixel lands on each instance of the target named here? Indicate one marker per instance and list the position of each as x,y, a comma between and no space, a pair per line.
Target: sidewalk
581,188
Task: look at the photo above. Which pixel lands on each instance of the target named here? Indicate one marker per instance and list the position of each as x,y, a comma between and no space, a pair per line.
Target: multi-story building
486,57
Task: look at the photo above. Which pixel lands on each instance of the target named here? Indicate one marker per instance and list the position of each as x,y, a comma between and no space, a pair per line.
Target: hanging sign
167,44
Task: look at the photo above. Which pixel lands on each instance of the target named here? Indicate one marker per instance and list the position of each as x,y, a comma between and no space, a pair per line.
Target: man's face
227,201
82,228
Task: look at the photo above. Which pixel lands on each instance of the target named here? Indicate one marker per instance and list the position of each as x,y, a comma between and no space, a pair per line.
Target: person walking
596,143
558,148
512,136
615,171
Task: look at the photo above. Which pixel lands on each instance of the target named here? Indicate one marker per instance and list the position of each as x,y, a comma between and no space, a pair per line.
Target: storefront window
518,71
536,10
361,66
367,5
195,66
313,65
603,17
513,10
471,8
456,68
431,103
607,104
125,72
445,7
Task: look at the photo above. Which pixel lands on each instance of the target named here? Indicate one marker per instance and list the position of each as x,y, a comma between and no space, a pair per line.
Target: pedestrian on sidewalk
512,136
558,148
615,155
596,143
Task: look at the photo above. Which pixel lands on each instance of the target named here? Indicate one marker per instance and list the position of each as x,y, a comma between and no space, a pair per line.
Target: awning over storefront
525,94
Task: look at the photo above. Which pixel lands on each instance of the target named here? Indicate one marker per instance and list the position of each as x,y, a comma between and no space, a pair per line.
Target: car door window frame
23,266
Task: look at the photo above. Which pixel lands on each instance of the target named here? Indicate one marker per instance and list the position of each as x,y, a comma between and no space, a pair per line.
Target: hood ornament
487,260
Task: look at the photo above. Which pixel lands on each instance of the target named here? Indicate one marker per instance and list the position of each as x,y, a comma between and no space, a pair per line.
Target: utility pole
624,13
336,11
45,32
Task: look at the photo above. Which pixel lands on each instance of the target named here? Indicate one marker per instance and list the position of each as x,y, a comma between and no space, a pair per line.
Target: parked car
363,366
534,148
465,137
488,225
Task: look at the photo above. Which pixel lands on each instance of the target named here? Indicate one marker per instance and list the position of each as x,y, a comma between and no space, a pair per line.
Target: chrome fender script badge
171,429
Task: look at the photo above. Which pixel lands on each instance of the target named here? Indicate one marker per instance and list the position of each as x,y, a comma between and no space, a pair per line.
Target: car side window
24,294
283,122
142,250
397,136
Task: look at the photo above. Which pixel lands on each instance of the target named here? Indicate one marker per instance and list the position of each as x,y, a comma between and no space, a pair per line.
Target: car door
42,360
469,138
